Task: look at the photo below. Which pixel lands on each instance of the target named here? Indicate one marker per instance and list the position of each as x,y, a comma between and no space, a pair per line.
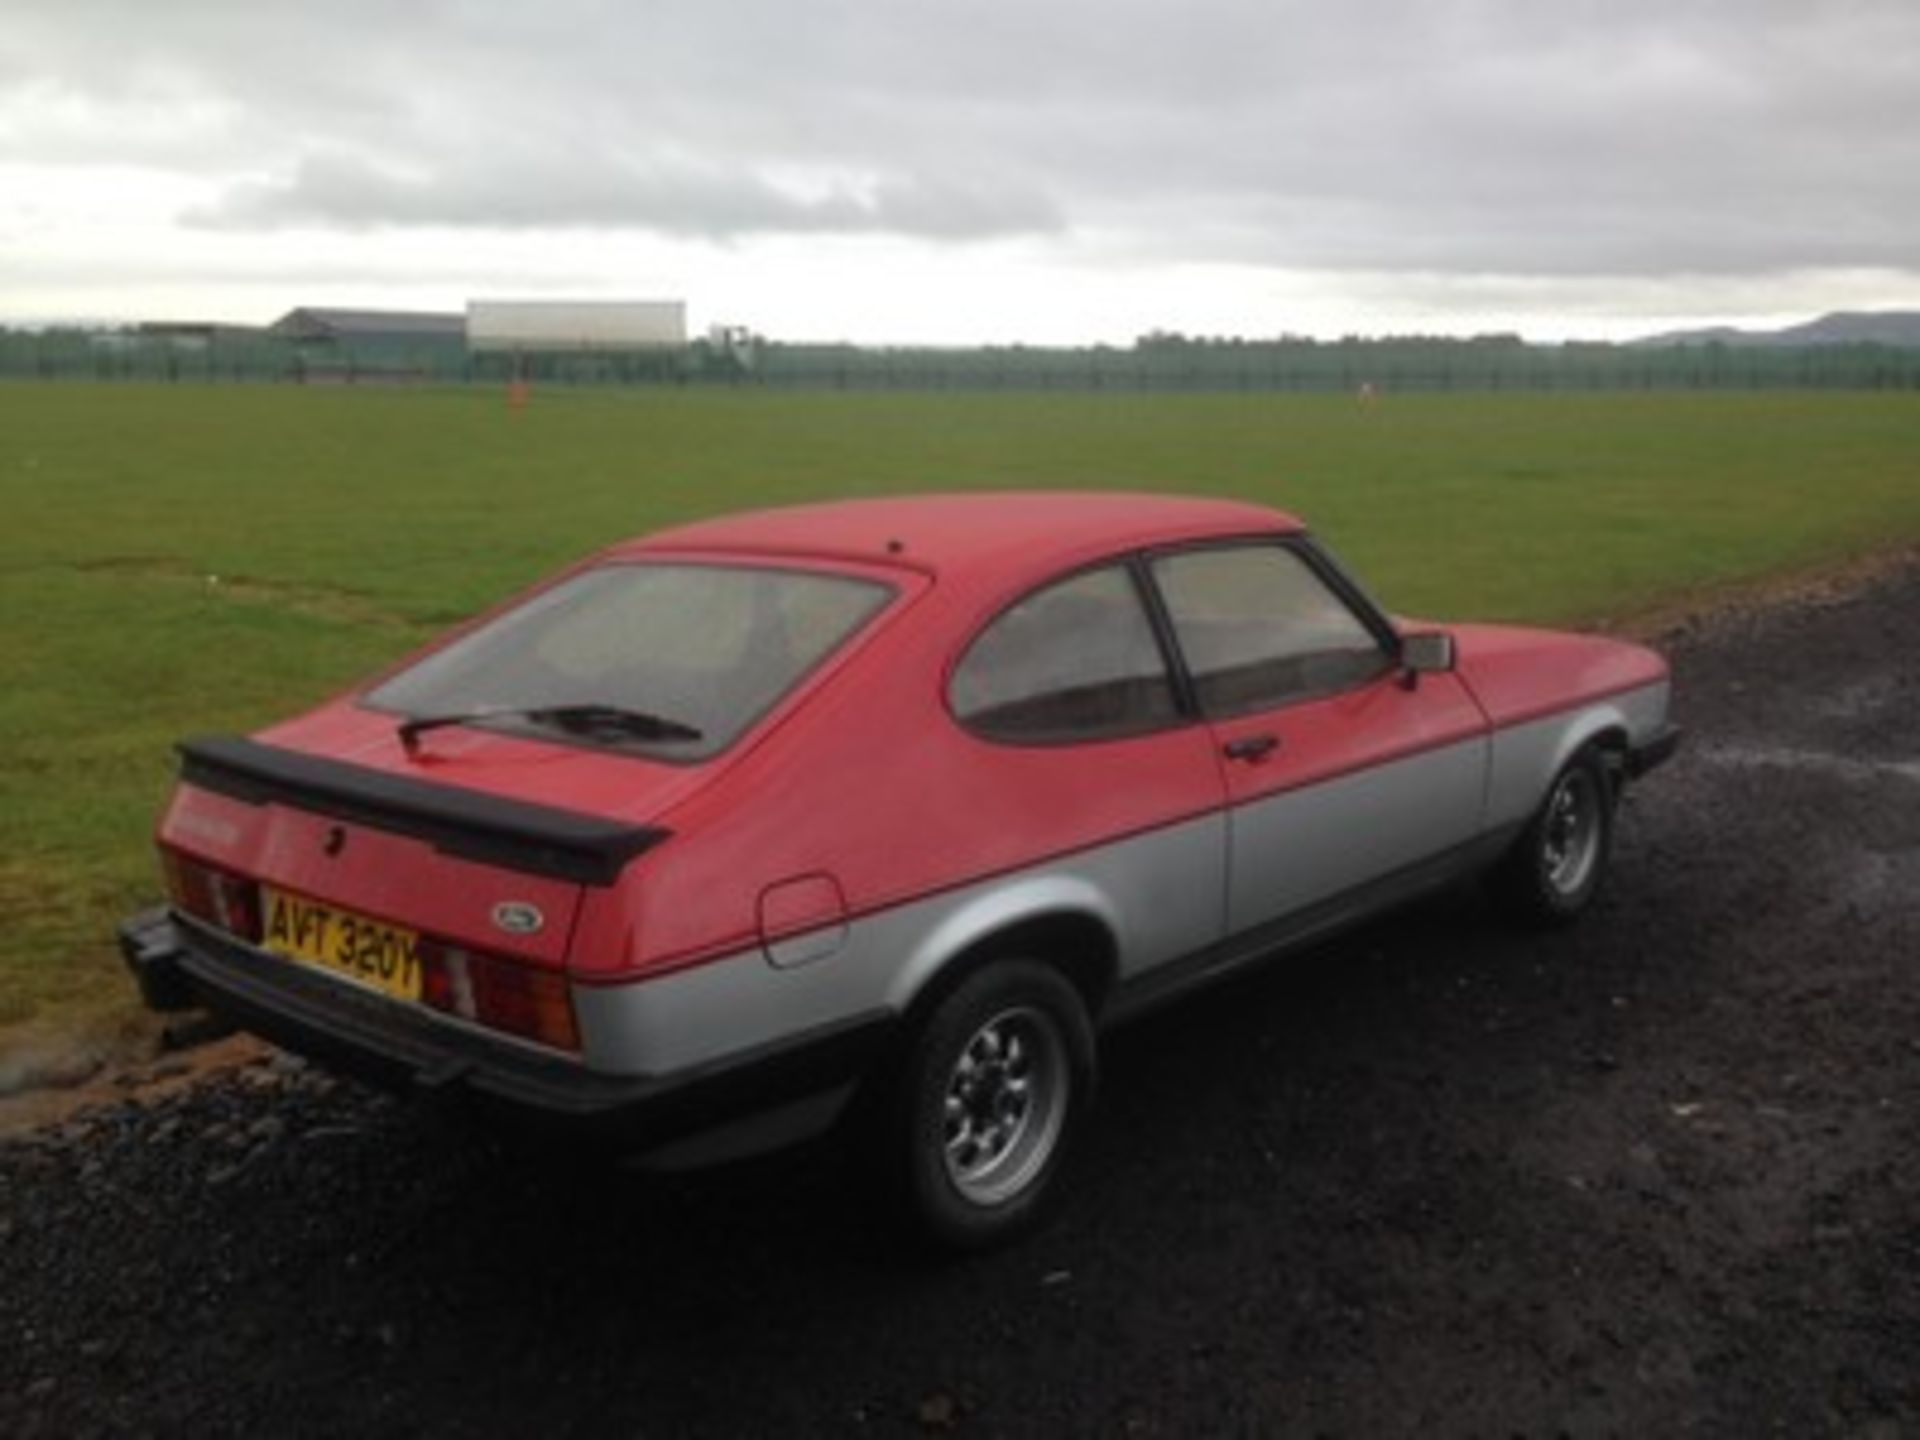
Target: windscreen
705,647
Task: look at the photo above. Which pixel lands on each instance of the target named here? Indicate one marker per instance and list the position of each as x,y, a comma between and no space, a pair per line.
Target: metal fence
1163,365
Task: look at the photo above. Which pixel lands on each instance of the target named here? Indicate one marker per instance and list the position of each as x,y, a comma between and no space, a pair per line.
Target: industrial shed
400,345
591,342
310,324
555,327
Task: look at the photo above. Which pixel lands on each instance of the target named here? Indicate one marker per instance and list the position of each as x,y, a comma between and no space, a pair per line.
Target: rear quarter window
1074,661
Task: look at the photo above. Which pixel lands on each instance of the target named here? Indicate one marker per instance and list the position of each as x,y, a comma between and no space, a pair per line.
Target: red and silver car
880,809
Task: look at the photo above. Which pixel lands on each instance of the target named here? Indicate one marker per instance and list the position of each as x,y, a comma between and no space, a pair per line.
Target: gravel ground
1659,1174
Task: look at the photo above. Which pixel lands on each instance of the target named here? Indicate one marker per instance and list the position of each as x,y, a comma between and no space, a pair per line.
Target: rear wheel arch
1077,943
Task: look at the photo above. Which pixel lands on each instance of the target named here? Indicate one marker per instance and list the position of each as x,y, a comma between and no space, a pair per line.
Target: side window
1075,661
1258,628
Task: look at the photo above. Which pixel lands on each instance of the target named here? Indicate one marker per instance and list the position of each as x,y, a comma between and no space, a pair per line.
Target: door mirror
1427,652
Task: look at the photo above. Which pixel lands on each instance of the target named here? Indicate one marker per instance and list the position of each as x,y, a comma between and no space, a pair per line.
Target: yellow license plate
384,956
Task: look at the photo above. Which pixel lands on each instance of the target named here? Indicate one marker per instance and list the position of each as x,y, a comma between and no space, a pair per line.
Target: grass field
203,559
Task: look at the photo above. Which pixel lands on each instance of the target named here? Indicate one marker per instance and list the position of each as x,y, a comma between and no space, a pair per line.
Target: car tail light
216,896
499,993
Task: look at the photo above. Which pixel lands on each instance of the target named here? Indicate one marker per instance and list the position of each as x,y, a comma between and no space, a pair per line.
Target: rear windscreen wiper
586,719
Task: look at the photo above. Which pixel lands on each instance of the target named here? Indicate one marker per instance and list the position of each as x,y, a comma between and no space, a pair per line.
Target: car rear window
709,646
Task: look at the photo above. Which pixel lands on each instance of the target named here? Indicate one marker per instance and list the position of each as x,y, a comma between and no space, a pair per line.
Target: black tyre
1559,862
992,1097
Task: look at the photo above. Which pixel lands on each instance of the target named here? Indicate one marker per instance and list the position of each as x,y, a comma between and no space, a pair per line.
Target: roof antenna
894,547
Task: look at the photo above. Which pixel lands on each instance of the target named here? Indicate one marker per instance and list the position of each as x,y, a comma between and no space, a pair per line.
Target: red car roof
985,531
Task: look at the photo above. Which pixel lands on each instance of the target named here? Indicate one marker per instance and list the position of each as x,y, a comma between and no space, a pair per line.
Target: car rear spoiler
514,834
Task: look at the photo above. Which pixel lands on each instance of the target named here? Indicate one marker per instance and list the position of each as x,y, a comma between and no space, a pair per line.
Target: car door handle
1251,747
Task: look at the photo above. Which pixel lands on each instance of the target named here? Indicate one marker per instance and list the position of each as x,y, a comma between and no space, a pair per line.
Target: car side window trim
1318,561
1138,565
1351,592
1186,697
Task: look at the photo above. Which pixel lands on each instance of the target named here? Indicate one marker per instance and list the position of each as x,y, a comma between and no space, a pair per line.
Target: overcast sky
968,170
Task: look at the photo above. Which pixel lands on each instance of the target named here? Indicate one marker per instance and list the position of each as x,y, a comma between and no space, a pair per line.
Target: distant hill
1841,327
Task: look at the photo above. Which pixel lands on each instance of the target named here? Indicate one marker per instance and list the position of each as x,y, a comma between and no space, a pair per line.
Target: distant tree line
1156,362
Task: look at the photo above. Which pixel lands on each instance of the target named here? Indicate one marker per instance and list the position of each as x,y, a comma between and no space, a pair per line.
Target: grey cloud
1465,136
612,194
